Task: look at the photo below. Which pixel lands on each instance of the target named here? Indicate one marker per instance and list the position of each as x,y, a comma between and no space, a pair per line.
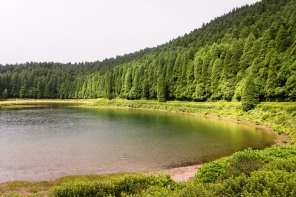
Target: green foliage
281,39
5,94
161,89
29,187
212,172
250,96
215,78
244,162
120,187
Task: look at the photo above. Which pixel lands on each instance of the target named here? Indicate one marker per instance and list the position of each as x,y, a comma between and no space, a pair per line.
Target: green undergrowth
279,116
29,187
124,186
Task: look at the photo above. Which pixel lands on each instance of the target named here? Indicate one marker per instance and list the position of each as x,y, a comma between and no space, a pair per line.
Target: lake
46,141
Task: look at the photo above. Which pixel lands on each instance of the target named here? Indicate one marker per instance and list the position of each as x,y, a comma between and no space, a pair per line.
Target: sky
91,30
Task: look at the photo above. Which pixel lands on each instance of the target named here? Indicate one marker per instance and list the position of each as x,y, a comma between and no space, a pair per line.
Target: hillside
210,63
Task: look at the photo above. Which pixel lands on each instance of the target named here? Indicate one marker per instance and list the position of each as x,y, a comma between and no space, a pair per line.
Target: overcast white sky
91,30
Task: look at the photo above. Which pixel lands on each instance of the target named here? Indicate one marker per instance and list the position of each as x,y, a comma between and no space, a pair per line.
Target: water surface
51,141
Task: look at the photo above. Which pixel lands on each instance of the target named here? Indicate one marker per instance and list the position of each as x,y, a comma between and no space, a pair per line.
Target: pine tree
198,62
272,81
250,96
108,85
22,92
128,82
161,89
281,39
135,92
199,94
1,87
145,91
5,94
215,78
293,52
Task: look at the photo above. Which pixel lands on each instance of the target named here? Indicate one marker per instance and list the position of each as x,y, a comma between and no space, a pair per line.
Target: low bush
119,187
212,172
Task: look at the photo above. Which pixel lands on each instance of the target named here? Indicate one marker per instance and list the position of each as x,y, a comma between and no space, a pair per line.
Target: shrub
261,183
123,186
250,96
244,162
212,172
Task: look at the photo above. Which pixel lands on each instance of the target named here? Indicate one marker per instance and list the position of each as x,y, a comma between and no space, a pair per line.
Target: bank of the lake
14,103
279,117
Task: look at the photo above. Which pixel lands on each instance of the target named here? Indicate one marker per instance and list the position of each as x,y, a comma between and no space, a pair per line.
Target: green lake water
45,142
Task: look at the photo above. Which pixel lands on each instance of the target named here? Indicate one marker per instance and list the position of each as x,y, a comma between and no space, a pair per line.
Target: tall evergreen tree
5,94
161,89
215,78
135,92
281,39
250,96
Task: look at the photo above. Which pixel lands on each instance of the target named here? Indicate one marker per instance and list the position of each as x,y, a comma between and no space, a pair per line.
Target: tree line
250,45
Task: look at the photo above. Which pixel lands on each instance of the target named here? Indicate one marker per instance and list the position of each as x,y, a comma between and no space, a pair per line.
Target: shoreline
278,138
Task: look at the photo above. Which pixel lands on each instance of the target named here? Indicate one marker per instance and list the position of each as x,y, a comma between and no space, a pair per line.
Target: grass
27,103
33,101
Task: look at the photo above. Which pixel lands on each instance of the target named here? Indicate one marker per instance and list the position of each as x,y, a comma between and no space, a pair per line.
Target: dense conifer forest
254,45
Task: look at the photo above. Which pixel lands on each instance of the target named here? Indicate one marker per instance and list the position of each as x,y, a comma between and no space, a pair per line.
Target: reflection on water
52,141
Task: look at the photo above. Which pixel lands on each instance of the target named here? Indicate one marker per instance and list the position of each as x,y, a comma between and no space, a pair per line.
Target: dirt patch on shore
181,174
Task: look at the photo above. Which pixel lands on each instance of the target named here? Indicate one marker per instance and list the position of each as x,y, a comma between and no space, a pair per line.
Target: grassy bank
29,187
267,172
14,103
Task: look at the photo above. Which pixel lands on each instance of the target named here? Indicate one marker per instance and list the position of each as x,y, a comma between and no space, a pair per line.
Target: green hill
210,63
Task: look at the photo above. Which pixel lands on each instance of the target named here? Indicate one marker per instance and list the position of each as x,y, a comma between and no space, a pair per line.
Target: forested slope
257,42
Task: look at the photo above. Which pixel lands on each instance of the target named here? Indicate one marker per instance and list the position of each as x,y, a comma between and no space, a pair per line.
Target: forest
250,45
